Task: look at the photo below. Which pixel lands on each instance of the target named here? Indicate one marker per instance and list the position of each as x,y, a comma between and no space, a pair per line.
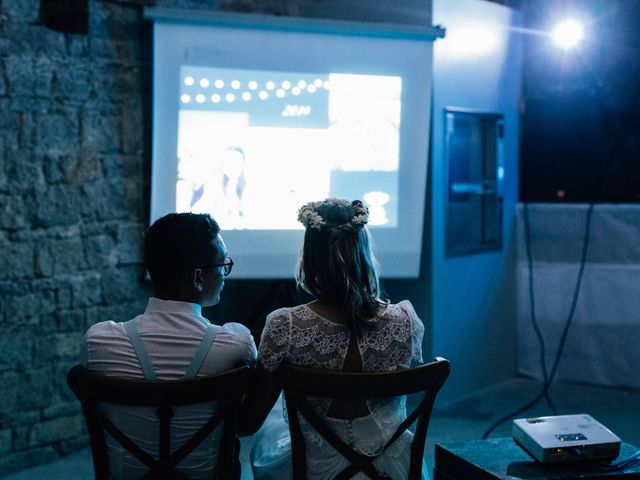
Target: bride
348,327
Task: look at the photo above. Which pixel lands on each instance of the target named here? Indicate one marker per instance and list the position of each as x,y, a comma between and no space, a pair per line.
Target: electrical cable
629,462
548,379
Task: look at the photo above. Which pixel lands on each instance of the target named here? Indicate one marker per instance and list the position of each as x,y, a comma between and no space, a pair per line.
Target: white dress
301,337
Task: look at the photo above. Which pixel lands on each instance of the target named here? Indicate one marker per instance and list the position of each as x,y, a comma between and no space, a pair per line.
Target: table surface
502,459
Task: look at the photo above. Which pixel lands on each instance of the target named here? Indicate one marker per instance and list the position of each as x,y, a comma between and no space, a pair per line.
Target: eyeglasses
227,265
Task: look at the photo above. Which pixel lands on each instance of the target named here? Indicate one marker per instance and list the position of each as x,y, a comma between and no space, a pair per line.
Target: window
474,175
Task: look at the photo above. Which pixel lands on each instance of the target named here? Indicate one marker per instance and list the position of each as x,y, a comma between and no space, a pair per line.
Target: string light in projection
252,90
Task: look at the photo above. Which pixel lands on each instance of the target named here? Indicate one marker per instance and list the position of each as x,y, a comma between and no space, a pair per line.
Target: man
187,261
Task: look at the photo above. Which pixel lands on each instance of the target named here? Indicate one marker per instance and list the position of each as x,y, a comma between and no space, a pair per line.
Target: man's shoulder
235,328
105,329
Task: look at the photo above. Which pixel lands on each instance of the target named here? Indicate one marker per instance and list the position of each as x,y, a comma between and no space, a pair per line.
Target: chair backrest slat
298,383
225,389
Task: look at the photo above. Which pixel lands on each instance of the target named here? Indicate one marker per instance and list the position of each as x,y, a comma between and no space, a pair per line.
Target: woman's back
301,336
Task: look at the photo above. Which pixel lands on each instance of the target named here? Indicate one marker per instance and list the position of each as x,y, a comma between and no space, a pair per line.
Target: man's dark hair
174,245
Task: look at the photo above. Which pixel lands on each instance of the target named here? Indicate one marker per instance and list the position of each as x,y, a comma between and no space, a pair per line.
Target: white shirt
171,331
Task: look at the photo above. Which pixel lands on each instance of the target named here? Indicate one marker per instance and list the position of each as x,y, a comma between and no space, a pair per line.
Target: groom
187,261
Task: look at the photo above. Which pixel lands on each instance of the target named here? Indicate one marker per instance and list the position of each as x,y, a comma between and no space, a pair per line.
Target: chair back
227,389
298,382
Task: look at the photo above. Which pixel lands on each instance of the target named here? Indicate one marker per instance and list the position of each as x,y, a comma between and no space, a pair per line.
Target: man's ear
198,279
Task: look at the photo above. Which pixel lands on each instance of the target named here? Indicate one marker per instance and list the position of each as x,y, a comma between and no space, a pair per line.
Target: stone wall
74,164
75,141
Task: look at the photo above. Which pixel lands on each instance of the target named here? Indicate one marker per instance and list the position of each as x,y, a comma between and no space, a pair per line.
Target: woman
348,327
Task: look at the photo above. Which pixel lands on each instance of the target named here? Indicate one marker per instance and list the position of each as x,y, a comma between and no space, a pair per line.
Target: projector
564,438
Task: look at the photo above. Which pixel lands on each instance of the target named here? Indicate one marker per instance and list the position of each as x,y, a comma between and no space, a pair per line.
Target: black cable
548,379
629,462
532,309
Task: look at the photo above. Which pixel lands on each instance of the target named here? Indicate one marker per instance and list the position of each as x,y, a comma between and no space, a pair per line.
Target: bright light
568,33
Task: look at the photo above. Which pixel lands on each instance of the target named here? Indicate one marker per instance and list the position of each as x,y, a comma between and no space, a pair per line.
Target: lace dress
301,337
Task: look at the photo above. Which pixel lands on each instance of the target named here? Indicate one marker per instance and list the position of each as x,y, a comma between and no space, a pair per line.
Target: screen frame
399,250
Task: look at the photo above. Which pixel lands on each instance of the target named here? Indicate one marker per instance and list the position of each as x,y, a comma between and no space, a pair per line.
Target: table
502,459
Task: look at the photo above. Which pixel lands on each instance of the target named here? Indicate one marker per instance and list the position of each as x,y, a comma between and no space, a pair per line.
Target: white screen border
246,41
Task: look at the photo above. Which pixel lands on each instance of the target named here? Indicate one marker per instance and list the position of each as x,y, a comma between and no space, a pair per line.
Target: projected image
255,145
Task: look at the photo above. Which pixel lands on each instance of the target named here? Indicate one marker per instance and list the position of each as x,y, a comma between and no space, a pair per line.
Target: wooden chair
299,382
226,388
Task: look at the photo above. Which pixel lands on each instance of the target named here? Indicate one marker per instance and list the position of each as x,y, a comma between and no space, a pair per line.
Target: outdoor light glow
568,33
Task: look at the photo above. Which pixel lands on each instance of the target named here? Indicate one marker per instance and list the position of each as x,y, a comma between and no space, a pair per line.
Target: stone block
21,438
13,212
109,21
51,168
27,40
100,132
70,320
55,257
10,125
74,82
35,388
15,350
57,346
62,409
103,200
100,251
58,133
21,11
122,285
109,228
133,127
22,308
136,193
24,172
131,243
56,429
21,77
66,447
16,260
63,297
26,458
80,169
124,166
13,286
45,71
9,397
19,418
3,84
58,205
78,45
86,290
5,440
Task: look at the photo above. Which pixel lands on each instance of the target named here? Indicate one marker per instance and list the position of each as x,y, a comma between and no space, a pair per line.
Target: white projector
564,438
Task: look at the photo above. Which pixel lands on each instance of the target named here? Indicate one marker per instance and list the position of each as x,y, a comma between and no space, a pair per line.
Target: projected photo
255,145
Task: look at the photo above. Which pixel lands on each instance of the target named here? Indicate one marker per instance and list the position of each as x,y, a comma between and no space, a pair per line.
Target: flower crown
310,218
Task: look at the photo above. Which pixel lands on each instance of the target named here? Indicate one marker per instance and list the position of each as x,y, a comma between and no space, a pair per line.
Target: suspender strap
141,352
203,350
